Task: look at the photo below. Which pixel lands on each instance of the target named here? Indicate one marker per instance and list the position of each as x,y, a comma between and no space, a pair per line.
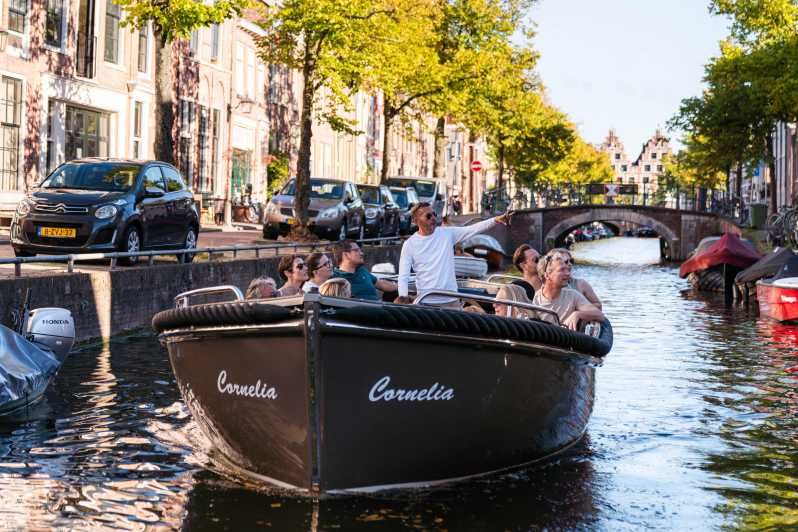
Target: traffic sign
612,190
476,166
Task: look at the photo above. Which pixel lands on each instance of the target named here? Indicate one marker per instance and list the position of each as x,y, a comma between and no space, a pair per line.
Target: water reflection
694,428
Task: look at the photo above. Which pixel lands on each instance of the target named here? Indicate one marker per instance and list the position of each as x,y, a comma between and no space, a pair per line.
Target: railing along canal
212,253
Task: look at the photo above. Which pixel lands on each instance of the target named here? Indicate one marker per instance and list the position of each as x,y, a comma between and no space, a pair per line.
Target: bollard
151,260
17,269
71,264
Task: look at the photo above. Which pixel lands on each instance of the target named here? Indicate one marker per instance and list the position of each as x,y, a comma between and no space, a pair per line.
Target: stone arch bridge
679,231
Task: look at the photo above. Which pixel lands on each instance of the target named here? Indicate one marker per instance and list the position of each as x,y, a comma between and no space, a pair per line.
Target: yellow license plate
58,232
290,221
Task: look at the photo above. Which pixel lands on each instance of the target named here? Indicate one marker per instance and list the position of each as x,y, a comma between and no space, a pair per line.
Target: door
153,210
353,207
178,206
391,211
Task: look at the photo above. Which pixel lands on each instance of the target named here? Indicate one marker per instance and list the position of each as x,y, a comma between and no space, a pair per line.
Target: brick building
645,168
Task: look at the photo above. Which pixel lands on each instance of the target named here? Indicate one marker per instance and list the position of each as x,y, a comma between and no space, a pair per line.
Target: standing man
350,267
430,254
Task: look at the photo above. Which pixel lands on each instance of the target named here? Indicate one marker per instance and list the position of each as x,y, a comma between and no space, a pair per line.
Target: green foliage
277,170
178,18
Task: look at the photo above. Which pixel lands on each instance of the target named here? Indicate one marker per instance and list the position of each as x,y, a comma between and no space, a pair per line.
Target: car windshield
369,194
424,188
400,196
112,177
319,188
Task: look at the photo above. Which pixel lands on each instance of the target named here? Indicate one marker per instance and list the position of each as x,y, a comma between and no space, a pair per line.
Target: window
203,148
53,30
17,9
654,155
143,49
623,168
260,83
251,73
10,121
86,40
647,168
186,141
153,179
239,73
86,133
214,42
617,156
659,168
215,118
137,130
174,183
50,150
194,42
113,14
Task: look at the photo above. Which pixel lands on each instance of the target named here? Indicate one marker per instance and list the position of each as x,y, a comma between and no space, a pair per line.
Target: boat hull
337,421
776,302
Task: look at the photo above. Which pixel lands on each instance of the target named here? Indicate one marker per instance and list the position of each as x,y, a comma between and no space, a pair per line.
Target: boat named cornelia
327,395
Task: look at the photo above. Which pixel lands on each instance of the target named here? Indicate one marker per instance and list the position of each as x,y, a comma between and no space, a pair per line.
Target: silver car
336,210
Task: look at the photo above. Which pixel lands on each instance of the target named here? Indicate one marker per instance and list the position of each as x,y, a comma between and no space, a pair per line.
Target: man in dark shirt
350,267
526,259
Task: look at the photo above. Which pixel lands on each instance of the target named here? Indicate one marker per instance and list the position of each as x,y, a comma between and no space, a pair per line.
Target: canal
695,427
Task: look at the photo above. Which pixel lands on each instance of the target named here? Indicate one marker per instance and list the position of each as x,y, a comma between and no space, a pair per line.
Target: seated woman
580,285
336,288
572,308
516,294
292,269
320,269
261,288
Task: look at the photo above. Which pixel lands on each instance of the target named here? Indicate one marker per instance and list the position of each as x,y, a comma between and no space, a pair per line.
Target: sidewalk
232,228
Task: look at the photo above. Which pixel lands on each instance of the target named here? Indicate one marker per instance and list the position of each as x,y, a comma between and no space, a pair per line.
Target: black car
405,198
102,205
382,212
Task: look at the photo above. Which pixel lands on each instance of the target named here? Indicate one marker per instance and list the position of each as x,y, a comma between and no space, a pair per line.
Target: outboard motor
51,328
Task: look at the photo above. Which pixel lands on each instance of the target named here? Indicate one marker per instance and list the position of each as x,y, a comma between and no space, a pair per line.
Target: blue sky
624,64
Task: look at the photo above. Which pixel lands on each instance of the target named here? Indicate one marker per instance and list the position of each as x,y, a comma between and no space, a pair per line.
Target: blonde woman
261,288
516,294
580,285
336,288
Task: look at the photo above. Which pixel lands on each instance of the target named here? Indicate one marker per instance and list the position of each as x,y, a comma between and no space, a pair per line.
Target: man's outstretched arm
466,232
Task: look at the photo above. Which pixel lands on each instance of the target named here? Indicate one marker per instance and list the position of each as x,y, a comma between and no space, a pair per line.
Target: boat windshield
110,176
319,188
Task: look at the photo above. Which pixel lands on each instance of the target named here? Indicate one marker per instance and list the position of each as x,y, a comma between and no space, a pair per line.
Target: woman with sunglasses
526,259
320,269
578,284
292,269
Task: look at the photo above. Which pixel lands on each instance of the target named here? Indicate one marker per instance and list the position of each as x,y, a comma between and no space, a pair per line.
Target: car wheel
23,253
190,242
270,233
131,243
343,233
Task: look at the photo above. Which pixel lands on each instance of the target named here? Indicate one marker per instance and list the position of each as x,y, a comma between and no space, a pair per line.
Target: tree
332,44
173,19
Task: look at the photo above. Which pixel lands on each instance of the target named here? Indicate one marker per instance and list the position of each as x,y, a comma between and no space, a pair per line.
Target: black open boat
327,395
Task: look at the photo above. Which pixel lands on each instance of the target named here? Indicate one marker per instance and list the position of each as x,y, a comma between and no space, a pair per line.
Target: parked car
102,205
405,198
429,191
382,212
336,210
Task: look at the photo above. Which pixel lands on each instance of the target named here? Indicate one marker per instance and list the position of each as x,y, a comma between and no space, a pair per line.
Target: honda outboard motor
51,328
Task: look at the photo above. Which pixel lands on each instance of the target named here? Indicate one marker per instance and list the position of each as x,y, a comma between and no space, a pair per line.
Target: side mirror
153,193
438,197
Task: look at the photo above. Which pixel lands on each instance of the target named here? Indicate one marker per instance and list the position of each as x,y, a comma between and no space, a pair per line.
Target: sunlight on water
618,250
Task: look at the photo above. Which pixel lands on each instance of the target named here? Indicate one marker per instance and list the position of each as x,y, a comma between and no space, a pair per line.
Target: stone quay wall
106,303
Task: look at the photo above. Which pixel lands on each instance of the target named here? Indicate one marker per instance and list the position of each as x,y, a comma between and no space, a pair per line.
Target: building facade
646,168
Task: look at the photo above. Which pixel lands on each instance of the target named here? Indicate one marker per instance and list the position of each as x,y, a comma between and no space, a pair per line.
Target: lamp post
645,182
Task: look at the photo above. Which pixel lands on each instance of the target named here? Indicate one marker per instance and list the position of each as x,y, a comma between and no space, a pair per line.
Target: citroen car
382,212
103,205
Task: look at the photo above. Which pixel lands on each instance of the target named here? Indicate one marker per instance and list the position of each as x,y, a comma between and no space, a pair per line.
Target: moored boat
715,258
327,395
778,296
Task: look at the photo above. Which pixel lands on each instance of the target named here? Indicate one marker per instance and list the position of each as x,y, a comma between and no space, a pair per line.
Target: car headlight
328,214
371,212
23,207
270,208
106,211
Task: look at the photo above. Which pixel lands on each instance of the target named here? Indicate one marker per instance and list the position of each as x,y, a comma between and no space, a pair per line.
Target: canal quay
694,428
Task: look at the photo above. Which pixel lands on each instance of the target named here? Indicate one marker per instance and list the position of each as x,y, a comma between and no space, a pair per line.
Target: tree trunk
300,231
702,199
163,114
439,164
500,178
388,115
738,184
772,187
728,181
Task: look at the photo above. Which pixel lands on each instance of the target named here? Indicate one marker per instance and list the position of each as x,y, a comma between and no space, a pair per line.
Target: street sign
476,166
612,190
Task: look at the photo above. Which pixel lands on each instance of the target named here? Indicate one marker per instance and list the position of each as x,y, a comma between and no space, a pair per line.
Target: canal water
695,427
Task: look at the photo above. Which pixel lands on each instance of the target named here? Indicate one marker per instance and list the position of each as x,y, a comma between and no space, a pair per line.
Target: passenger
261,288
350,267
571,306
580,285
320,269
337,287
292,269
516,294
430,253
526,259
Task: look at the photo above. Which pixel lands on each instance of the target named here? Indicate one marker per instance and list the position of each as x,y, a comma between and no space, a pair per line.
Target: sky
624,64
